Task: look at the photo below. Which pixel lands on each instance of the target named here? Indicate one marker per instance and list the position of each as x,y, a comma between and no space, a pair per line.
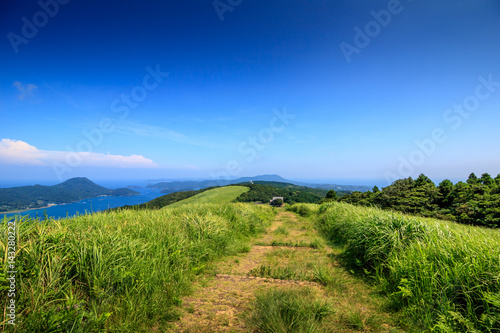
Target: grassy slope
119,271
216,195
443,275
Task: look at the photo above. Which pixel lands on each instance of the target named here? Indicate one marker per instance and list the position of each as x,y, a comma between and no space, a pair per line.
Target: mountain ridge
186,185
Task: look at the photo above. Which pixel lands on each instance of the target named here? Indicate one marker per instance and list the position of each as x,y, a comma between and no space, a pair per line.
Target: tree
277,203
497,179
332,195
487,180
423,180
375,189
445,190
472,180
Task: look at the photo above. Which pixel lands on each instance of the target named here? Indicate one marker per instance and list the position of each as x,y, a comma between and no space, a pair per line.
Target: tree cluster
476,201
291,193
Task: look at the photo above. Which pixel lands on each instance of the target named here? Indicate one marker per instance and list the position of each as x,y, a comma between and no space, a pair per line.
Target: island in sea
39,196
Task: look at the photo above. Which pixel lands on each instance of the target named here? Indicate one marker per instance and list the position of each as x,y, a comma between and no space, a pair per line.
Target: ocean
90,205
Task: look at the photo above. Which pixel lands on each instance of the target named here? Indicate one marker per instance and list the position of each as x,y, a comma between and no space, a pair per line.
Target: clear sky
345,91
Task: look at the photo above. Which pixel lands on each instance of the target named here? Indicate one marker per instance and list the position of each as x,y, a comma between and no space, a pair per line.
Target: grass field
122,271
444,276
217,195
128,270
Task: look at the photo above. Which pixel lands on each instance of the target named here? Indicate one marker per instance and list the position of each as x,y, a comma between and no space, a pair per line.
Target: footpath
290,256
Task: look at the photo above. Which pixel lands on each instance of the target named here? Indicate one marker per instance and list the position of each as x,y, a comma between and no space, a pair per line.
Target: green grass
282,230
303,209
289,310
444,276
217,195
122,271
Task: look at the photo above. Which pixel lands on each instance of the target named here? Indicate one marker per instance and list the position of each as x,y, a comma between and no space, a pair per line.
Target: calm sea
91,205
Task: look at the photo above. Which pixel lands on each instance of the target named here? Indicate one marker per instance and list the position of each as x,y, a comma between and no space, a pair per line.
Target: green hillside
216,195
163,201
258,191
442,275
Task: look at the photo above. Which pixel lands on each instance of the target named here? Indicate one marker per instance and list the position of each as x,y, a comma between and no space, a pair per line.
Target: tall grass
123,270
303,209
289,310
443,275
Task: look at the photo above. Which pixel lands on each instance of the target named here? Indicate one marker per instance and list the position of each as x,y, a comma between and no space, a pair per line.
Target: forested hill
263,191
36,196
476,201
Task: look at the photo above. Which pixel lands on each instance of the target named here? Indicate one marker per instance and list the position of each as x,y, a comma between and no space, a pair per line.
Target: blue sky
253,87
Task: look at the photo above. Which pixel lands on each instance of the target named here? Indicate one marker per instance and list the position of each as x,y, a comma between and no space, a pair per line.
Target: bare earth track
290,255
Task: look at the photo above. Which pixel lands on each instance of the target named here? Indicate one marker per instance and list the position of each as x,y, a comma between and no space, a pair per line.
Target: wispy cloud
25,90
17,152
133,128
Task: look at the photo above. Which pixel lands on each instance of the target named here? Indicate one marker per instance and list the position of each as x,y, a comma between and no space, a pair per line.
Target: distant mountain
36,196
190,185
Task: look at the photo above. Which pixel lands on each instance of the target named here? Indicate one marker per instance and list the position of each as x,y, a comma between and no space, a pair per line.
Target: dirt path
290,255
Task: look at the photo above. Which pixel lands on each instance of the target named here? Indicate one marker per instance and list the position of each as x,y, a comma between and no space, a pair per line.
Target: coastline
25,210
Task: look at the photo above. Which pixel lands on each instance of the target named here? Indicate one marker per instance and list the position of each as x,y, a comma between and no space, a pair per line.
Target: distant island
190,185
39,196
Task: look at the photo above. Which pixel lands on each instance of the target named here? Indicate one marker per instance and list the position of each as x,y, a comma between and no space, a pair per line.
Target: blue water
91,205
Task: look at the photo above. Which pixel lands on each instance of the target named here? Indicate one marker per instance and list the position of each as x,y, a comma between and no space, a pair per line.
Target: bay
93,205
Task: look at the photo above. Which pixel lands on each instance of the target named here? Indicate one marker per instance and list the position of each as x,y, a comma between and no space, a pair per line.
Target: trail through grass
280,288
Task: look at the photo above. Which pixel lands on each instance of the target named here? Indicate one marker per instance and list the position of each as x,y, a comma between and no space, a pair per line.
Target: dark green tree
445,190
472,180
487,180
423,180
332,195
277,203
497,179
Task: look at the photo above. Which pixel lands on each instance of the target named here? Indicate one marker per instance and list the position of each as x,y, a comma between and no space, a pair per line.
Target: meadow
442,276
217,195
122,270
128,270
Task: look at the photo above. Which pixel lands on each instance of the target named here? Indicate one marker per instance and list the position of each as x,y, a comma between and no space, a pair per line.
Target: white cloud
19,153
25,90
16,152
